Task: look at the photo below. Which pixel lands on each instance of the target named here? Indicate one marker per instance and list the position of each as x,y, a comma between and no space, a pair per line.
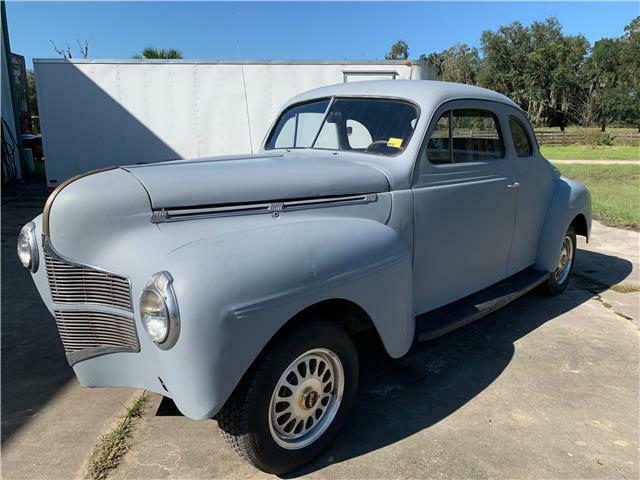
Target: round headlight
28,247
154,315
159,310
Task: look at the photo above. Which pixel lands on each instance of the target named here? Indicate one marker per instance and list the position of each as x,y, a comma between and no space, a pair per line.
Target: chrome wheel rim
566,260
306,399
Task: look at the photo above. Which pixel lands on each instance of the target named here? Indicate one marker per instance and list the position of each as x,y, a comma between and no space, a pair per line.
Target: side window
475,136
358,135
520,138
438,147
465,135
328,137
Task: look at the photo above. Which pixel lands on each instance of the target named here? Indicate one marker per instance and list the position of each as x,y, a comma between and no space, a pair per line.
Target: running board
445,319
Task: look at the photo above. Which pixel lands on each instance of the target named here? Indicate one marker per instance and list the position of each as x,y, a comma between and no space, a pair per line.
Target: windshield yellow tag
394,142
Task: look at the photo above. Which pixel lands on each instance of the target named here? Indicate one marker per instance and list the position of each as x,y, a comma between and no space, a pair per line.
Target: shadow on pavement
34,366
601,268
398,398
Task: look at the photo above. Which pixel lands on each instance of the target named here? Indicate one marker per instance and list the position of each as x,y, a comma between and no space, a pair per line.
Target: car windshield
371,125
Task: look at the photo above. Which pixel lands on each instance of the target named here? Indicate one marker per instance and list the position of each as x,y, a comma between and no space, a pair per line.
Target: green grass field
586,152
615,191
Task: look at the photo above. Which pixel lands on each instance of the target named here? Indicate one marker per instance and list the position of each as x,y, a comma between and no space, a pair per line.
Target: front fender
569,200
237,290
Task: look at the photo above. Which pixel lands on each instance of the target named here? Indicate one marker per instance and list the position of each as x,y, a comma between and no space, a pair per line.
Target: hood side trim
273,208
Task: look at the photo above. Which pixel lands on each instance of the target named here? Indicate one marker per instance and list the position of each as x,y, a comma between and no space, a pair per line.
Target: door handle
513,185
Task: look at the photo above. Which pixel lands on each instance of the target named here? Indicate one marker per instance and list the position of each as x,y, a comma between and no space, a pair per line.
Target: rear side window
465,135
521,141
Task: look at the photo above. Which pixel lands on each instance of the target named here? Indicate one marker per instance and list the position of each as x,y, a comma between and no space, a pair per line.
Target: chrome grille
80,284
80,330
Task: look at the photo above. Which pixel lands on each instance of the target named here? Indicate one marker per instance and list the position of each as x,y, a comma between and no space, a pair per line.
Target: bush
593,137
606,138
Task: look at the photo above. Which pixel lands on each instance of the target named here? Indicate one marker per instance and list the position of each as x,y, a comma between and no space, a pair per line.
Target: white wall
101,113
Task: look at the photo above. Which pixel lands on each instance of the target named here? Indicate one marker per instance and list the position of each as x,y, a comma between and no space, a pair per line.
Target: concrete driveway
545,388
49,423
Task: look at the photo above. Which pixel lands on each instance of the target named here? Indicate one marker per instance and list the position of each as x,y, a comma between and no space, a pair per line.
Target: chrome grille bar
71,283
83,329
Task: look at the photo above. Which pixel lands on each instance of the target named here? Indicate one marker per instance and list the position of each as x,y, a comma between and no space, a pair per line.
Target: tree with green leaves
602,72
538,66
631,70
157,53
460,64
399,51
556,78
611,75
31,93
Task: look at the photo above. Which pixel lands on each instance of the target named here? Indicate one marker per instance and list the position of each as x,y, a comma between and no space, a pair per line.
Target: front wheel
559,278
296,399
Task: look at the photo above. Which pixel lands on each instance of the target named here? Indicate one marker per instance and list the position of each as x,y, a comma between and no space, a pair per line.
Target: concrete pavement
545,388
49,423
611,259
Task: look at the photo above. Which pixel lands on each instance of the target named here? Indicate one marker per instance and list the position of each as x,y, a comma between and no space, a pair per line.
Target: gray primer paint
257,178
239,279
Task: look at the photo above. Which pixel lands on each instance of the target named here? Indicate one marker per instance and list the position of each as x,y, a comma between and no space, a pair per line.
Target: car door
535,180
464,204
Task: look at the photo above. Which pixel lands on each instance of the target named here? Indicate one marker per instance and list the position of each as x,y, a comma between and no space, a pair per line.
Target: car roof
429,94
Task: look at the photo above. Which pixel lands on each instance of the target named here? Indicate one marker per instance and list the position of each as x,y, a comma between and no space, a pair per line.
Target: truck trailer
101,113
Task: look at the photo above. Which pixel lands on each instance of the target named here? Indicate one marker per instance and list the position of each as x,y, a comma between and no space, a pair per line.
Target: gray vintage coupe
235,285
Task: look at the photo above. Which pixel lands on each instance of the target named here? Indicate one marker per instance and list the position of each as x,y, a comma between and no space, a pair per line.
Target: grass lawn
615,191
586,152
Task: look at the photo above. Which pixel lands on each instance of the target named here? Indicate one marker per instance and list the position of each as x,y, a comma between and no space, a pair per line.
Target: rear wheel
296,399
559,278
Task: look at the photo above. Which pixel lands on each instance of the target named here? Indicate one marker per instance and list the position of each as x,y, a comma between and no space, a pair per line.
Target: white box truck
99,113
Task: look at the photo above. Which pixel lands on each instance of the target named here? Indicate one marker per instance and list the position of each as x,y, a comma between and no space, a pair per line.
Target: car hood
256,178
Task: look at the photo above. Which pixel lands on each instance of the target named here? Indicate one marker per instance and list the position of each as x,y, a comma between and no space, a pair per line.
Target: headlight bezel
28,232
161,284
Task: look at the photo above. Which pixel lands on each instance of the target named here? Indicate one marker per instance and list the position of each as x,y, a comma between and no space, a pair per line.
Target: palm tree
151,52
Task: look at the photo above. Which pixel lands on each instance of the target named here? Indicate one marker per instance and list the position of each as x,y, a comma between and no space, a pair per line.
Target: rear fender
569,200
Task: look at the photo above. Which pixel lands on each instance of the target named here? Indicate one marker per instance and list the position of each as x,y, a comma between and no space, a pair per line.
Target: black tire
553,285
244,420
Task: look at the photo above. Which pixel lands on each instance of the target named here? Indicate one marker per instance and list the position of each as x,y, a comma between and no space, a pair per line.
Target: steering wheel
380,146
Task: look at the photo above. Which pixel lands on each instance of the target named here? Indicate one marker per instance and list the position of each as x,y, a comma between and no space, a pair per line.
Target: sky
288,30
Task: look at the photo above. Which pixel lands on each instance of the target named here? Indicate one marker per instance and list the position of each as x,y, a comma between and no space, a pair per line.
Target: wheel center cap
308,399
